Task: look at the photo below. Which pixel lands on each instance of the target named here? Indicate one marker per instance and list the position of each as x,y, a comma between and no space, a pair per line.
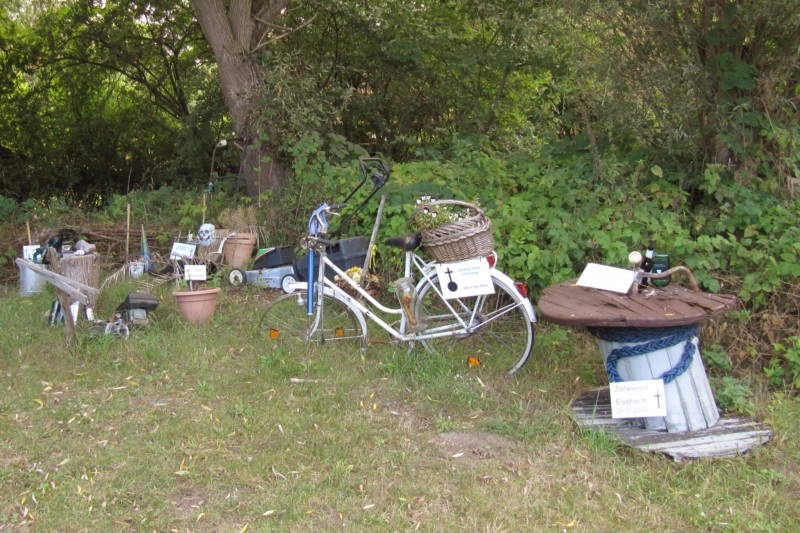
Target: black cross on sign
452,285
658,399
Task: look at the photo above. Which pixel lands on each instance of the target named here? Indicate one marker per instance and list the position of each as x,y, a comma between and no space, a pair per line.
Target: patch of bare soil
476,444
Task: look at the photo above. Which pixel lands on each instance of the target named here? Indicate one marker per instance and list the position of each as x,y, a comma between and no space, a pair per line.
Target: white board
194,273
182,250
607,278
638,399
465,278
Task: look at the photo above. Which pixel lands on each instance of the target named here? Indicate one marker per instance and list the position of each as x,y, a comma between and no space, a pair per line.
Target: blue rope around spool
651,339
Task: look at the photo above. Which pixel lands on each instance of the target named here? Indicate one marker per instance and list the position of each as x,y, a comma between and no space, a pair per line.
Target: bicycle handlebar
320,240
372,168
380,175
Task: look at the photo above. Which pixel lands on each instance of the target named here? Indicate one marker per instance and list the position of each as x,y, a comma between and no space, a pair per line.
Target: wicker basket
459,240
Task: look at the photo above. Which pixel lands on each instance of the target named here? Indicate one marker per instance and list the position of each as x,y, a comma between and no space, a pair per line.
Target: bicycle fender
510,283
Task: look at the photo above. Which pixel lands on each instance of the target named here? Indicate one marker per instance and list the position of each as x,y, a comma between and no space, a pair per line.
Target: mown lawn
191,428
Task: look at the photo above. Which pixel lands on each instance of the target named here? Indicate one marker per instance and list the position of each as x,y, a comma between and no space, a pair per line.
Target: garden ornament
207,235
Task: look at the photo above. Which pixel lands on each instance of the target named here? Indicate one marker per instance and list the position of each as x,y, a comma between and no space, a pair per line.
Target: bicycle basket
467,237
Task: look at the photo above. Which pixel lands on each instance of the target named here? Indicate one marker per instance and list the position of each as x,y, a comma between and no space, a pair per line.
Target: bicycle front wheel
286,323
492,330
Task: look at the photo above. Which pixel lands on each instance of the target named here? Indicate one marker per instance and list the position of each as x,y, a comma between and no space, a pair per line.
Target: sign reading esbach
638,399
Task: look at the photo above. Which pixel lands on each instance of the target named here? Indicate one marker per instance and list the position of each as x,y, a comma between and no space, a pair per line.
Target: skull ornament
207,235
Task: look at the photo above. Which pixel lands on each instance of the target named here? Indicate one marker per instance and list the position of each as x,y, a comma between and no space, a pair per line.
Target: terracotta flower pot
197,306
238,249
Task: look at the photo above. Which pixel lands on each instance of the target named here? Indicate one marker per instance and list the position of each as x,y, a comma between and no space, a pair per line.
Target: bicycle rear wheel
286,323
499,333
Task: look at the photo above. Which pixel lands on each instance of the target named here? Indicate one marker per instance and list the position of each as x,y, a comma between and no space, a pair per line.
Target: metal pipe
665,274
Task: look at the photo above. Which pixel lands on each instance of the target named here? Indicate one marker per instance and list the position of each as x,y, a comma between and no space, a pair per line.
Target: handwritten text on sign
195,272
465,278
638,399
182,250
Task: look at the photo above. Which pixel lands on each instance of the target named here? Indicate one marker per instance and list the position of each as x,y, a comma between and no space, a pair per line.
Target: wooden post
372,239
84,271
77,291
128,234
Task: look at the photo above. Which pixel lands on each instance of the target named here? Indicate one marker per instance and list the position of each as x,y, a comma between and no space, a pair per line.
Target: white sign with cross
465,278
638,399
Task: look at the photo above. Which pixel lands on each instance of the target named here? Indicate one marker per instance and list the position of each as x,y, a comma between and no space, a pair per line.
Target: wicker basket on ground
458,240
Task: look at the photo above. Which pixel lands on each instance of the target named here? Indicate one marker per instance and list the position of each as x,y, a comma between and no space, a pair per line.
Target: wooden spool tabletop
568,304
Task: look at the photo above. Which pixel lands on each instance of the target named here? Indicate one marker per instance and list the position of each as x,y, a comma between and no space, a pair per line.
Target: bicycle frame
414,264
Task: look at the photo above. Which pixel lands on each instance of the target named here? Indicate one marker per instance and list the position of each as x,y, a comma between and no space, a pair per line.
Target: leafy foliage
784,367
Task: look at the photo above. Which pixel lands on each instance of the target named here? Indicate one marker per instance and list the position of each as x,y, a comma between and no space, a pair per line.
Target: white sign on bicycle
465,278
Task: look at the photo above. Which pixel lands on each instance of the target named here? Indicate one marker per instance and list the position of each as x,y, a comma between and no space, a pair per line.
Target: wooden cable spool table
653,334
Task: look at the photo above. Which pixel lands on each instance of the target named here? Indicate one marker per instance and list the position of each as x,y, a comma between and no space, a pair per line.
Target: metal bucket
136,269
30,283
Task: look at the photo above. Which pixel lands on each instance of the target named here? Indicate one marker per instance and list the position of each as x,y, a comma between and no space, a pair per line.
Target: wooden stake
28,226
128,234
128,204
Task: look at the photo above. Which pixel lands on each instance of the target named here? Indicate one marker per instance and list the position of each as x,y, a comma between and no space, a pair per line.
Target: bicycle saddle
405,242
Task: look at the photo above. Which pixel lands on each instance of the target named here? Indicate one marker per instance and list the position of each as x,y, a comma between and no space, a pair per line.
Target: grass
192,428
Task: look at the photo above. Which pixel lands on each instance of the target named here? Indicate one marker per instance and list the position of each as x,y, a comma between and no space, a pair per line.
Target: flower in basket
432,215
371,284
452,230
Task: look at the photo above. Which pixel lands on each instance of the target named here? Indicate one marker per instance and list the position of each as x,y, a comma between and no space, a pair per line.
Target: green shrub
783,369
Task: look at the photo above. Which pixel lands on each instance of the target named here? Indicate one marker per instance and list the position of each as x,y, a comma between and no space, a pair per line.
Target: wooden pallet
731,436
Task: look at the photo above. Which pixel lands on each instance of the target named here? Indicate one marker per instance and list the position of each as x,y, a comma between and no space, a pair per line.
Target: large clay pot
238,249
197,306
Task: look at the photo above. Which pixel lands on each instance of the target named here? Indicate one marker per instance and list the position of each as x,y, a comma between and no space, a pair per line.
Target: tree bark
234,37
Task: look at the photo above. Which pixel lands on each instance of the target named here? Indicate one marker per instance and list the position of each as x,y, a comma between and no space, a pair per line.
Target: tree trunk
234,37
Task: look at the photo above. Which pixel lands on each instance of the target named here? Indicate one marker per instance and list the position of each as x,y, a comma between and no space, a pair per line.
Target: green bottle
660,264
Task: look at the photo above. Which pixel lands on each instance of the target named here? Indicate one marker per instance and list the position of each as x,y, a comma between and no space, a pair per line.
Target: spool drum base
731,436
690,402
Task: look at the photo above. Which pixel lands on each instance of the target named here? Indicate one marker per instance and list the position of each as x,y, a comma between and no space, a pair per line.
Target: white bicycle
494,329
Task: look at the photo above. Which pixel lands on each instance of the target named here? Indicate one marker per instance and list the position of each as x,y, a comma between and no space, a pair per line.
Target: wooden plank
568,304
75,289
732,435
704,393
